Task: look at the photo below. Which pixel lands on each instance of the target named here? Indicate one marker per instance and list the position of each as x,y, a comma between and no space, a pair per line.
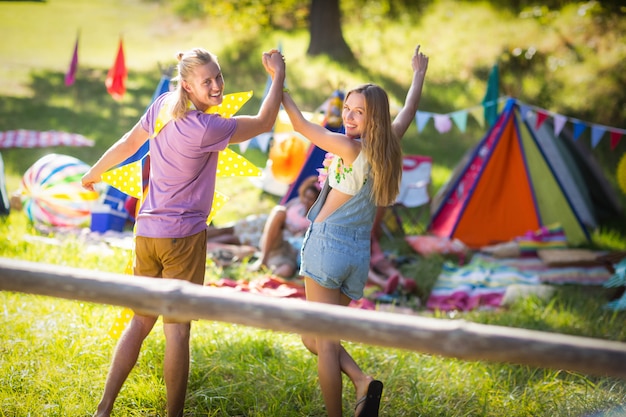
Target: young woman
364,174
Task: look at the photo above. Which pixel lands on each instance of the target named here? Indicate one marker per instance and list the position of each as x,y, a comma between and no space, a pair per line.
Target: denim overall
336,252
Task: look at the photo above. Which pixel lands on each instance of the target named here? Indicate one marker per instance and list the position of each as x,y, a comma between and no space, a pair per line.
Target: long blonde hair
381,147
187,63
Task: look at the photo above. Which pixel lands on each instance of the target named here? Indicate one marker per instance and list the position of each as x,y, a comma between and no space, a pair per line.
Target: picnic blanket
480,283
553,273
273,286
484,280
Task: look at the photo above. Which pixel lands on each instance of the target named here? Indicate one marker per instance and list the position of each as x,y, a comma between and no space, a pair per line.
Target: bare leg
332,356
124,359
218,231
272,236
176,366
284,270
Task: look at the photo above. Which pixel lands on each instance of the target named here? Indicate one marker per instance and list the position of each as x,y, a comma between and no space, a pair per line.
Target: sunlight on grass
54,353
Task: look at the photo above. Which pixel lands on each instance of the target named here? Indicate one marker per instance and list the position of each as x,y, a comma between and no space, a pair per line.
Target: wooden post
450,338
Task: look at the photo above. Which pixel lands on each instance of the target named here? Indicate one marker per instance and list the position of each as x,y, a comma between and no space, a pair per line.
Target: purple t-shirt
183,161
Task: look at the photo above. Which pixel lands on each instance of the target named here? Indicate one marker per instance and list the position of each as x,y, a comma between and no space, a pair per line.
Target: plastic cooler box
105,217
111,214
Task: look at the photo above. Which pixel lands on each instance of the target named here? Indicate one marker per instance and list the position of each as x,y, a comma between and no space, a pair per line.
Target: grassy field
54,353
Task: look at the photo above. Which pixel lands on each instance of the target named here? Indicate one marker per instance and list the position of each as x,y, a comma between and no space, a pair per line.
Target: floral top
348,178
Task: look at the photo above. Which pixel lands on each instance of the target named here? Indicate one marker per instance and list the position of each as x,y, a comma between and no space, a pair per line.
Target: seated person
382,271
278,235
284,230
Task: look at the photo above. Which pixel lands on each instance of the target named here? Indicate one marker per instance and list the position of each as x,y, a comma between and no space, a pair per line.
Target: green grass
54,353
55,356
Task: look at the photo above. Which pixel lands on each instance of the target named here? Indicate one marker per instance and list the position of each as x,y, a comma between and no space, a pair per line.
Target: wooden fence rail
450,338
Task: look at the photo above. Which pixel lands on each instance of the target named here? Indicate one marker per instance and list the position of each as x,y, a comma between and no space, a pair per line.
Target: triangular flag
501,103
116,78
231,164
263,140
615,138
579,128
421,118
243,146
490,101
479,115
525,111
559,123
70,75
541,117
460,119
231,103
443,123
596,134
126,178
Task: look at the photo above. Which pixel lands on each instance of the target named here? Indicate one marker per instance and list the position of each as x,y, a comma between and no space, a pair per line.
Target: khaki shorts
175,258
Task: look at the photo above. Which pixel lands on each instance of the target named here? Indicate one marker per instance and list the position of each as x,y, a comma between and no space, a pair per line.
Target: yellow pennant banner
128,179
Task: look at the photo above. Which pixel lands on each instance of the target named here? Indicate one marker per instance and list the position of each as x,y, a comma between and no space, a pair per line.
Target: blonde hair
187,63
381,147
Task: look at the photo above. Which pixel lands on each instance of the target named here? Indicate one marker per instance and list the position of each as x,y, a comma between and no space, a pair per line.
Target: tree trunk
325,30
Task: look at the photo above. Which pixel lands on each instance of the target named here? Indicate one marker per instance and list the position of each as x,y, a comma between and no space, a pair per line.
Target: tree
325,30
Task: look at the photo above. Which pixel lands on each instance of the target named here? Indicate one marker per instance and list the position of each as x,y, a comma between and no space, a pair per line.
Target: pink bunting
443,123
559,123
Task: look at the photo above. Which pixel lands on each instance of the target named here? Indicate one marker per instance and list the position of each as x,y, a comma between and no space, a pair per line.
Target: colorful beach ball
52,193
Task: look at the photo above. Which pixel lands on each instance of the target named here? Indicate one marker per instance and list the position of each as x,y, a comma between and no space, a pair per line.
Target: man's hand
274,62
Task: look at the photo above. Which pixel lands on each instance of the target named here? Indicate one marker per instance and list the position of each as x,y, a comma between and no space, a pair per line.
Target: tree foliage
283,14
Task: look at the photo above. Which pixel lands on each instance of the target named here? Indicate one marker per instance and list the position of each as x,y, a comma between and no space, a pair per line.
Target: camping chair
414,197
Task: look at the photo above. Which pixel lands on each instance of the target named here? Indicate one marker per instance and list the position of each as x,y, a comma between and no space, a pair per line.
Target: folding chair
413,199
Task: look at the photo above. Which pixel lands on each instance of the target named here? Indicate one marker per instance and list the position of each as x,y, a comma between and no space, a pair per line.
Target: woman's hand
274,62
419,62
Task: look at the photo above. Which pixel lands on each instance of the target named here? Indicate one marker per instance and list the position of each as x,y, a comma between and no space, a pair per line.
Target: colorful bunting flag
116,77
460,119
615,138
421,118
479,115
541,117
596,135
70,75
490,101
559,123
443,123
579,128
